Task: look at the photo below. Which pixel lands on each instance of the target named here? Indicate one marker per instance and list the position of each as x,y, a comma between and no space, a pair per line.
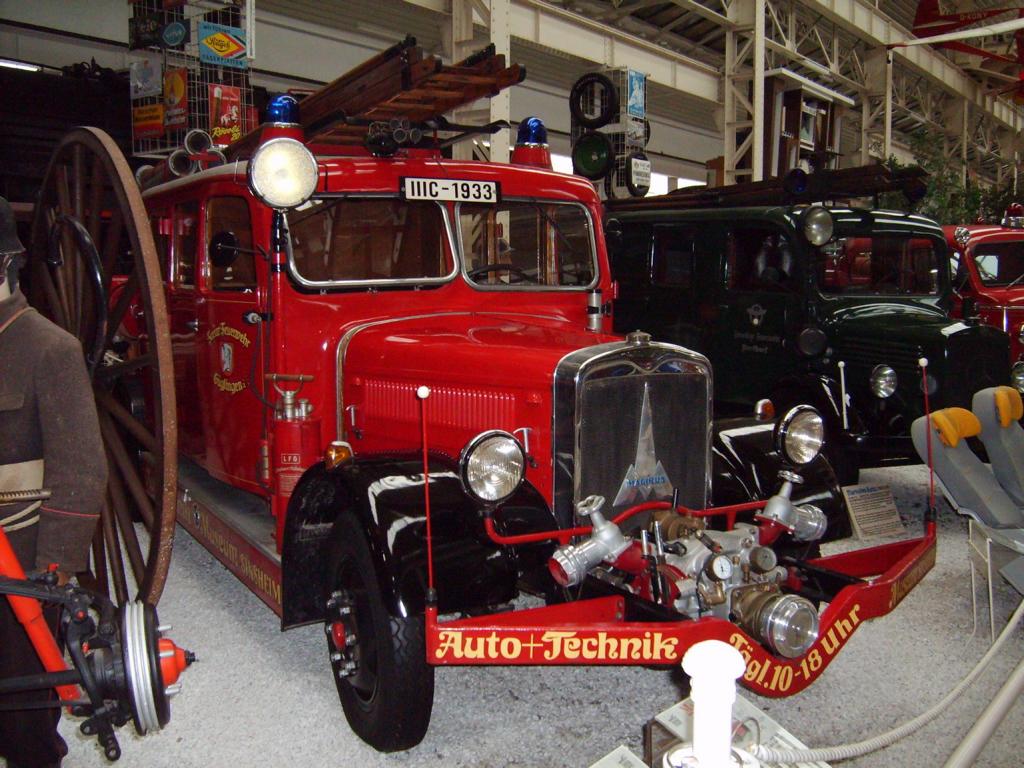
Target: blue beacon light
283,109
532,132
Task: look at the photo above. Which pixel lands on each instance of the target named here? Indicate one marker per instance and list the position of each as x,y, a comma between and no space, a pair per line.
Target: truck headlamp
883,381
1017,375
492,465
800,434
818,225
283,173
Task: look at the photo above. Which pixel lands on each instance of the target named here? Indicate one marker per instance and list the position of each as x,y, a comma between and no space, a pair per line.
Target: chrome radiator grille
632,422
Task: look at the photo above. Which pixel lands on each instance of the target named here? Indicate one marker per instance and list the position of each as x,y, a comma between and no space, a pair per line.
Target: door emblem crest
227,358
756,314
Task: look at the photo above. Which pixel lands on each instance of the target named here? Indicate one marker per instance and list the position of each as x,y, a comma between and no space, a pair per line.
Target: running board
235,526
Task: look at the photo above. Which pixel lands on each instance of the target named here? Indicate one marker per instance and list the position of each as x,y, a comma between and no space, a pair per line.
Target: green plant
947,200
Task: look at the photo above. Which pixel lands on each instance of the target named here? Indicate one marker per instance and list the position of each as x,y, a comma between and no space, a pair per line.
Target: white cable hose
856,749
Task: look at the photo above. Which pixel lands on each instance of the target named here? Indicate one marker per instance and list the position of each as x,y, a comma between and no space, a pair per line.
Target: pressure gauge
719,567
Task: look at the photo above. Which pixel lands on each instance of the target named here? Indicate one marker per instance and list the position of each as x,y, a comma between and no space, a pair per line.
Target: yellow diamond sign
223,45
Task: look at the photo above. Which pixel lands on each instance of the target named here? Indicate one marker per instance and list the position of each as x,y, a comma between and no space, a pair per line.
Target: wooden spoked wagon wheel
95,272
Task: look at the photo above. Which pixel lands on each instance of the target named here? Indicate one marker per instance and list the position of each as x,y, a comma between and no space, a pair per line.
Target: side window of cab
958,271
160,224
760,259
675,253
229,244
631,255
186,226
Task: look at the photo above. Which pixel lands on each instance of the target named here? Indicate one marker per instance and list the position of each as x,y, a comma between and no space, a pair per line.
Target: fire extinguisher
296,443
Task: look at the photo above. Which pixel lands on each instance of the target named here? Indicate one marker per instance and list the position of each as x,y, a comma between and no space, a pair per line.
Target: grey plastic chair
998,410
970,485
996,523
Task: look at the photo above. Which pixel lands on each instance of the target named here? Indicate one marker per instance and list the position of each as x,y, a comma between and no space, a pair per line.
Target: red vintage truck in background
987,264
400,406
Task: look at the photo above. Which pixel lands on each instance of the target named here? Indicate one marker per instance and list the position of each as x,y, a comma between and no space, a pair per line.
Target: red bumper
594,631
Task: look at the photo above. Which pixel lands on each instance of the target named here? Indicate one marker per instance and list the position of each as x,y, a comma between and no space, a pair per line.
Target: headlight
883,381
491,466
818,225
800,434
788,624
283,173
1017,375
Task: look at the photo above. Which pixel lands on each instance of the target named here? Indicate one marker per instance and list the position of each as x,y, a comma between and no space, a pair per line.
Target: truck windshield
527,243
880,264
343,240
1000,263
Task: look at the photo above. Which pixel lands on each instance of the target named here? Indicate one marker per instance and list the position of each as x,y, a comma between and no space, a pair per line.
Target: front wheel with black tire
378,660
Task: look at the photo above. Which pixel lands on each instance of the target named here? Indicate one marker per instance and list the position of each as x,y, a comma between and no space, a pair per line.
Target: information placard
872,510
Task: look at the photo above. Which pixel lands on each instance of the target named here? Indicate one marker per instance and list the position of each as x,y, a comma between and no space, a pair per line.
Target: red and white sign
225,114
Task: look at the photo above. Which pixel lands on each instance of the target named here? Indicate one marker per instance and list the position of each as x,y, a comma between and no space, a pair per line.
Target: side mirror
613,233
223,249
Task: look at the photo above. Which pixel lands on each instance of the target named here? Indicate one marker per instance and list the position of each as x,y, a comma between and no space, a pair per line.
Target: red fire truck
399,406
987,264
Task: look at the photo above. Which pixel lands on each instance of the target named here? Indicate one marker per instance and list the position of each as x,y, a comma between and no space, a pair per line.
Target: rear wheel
378,660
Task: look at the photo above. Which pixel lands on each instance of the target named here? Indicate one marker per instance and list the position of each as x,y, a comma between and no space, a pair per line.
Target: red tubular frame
30,614
564,534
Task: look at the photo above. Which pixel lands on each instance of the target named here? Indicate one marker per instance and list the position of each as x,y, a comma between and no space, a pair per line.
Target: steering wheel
574,274
513,271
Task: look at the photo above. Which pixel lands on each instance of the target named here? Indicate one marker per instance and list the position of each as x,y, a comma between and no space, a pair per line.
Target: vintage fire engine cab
987,264
402,406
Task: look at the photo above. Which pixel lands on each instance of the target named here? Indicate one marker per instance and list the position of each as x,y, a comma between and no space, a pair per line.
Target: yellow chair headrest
1009,407
952,424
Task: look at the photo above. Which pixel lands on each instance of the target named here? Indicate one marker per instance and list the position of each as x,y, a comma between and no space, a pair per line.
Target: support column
495,17
743,97
964,136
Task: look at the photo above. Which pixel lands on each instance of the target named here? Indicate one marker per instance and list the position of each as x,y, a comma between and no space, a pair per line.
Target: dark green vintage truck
805,303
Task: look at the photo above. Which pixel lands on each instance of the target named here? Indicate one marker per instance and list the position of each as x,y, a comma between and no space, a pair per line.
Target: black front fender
385,495
746,465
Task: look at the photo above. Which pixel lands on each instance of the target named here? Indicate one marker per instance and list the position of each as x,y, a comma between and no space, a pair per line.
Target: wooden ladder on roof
839,184
398,83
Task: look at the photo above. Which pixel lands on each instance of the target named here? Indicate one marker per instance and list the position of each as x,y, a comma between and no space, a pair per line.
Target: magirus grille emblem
646,478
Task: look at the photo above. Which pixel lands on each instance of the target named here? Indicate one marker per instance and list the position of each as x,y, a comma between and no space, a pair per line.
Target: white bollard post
713,667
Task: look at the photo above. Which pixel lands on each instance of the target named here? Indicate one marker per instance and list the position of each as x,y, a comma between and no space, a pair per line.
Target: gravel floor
259,697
